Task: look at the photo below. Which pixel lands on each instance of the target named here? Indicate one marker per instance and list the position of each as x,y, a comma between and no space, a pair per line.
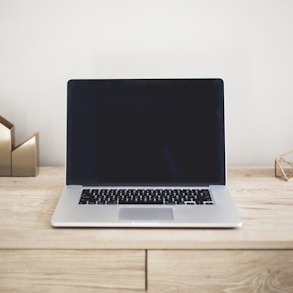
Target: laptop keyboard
146,196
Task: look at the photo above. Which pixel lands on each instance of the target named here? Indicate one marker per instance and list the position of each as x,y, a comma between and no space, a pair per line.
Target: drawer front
220,271
72,271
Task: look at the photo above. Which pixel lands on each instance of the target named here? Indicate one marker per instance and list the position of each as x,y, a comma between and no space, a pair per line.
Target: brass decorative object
284,166
6,146
24,158
20,160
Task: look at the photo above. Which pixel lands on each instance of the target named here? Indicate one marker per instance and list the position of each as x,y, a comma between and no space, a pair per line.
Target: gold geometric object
19,161
24,158
6,145
284,166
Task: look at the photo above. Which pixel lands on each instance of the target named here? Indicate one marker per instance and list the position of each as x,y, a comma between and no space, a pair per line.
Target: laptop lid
145,132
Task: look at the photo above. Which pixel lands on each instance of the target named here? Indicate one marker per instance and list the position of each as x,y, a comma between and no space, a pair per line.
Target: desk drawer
72,271
220,271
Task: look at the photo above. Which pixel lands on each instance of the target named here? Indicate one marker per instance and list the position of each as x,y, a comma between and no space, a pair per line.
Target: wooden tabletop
265,204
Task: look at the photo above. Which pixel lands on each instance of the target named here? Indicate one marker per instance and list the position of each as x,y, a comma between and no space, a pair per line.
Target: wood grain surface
34,257
72,271
220,271
265,204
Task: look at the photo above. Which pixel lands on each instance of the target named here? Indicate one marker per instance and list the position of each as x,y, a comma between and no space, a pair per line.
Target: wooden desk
34,257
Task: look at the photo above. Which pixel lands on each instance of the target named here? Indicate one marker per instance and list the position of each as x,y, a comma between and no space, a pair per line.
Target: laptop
145,153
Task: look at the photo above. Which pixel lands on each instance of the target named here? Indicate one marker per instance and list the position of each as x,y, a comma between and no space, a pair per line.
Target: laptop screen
145,132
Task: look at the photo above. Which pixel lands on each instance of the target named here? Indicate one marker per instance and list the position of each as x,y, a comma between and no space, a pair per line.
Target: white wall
249,43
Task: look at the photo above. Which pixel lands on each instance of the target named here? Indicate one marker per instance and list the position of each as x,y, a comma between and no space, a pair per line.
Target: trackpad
163,214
